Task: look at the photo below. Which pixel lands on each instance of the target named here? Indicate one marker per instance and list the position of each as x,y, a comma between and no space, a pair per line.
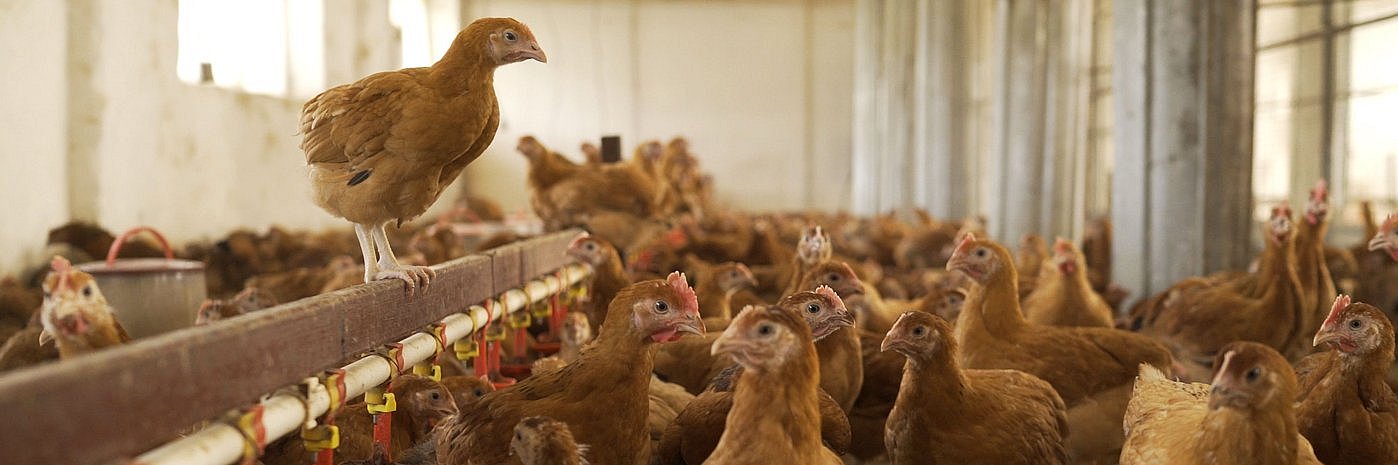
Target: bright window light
410,17
247,45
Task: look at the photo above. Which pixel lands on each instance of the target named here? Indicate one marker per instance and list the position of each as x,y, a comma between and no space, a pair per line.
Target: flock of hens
715,336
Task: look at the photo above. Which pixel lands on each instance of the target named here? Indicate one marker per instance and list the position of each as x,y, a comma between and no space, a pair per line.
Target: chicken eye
1253,374
834,278
919,331
980,253
436,396
765,330
812,308
661,306
590,246
510,36
87,291
519,436
478,392
956,299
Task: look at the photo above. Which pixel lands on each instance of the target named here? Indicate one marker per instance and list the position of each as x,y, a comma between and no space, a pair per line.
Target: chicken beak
842,319
1326,335
729,343
1377,242
536,53
1328,332
889,342
690,328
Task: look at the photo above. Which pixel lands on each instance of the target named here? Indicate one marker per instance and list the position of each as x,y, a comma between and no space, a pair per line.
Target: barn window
1327,78
269,47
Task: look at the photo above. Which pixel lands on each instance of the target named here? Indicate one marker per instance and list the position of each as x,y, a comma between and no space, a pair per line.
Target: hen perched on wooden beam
385,147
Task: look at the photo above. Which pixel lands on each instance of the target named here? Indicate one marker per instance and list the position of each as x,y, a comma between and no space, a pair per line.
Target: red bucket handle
120,240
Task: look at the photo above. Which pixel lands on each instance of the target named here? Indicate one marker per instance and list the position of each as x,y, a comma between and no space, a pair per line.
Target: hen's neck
773,407
609,279
994,311
621,358
101,336
560,451
712,299
1312,268
463,68
936,382
1263,436
1361,378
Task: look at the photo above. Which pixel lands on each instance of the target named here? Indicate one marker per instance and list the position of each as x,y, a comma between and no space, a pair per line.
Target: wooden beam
123,401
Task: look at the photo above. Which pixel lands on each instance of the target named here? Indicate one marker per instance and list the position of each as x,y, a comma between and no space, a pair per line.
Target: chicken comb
746,272
679,284
1390,223
1341,303
829,294
1062,246
676,238
964,244
1223,366
643,261
577,241
850,270
63,268
1321,191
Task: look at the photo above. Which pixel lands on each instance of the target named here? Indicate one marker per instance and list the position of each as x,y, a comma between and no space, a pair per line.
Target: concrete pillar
1182,187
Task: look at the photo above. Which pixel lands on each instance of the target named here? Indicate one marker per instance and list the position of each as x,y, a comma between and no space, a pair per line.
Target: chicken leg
374,243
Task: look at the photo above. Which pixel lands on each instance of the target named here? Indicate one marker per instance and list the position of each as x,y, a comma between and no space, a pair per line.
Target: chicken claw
412,276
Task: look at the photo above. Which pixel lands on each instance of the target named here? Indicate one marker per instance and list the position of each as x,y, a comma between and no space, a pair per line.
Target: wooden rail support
110,406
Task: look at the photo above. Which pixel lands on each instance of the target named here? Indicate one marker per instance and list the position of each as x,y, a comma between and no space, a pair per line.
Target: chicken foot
380,263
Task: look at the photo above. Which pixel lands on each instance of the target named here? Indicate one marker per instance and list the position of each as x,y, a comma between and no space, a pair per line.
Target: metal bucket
149,295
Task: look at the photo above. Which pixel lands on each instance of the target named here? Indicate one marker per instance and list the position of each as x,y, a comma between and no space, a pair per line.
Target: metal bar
283,414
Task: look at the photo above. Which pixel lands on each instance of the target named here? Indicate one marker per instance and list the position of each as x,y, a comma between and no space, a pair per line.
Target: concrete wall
32,42
99,128
761,89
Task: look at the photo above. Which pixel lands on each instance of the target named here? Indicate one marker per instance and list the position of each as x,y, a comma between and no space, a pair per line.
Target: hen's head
1318,205
73,305
576,329
1251,377
1279,226
920,336
734,276
658,309
592,250
979,259
837,275
1356,329
814,246
1387,238
426,402
822,309
540,439
764,338
948,304
214,310
252,299
1066,258
531,147
505,40
466,390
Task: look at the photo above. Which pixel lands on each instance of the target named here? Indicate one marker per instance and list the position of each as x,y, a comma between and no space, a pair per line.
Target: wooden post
1182,190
